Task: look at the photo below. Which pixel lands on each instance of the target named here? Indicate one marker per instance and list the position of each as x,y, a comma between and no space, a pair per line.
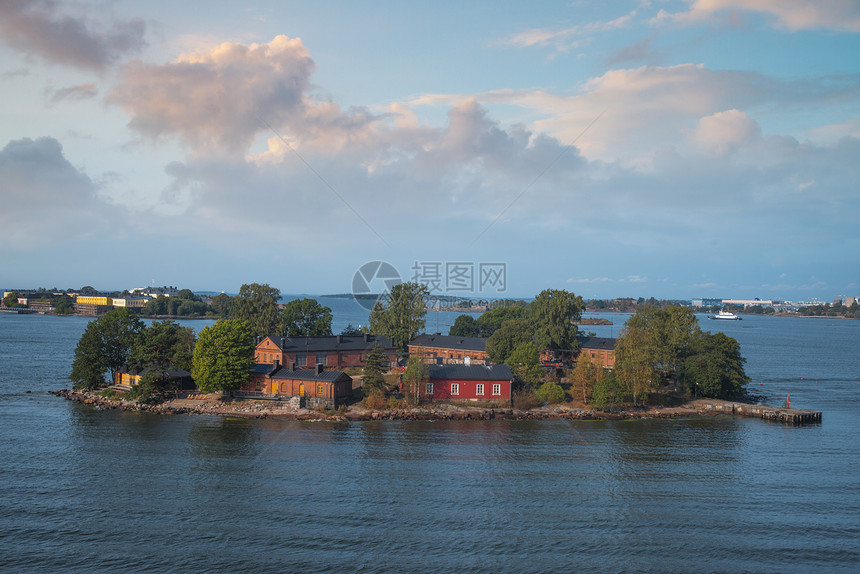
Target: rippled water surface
85,490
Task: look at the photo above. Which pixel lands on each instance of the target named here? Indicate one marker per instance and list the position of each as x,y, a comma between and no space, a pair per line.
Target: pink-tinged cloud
35,28
842,15
74,93
723,132
219,101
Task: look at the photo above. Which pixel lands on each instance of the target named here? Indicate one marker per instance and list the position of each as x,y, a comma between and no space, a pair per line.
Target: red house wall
468,390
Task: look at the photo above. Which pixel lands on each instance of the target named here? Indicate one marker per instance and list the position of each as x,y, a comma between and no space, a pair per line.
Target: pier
764,412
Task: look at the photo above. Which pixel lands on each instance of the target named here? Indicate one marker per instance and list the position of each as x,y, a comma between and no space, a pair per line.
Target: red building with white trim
477,383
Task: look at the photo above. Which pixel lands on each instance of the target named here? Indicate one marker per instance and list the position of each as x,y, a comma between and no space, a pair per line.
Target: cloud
80,92
726,131
217,101
839,15
44,197
35,28
562,39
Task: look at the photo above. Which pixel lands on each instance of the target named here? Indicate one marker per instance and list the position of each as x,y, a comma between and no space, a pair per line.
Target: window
479,389
497,389
320,390
428,388
321,357
455,388
301,358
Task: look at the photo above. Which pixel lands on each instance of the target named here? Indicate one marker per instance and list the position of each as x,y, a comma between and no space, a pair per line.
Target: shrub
374,402
525,398
551,393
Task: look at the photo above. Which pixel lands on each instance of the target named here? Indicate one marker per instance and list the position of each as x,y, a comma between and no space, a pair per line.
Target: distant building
128,377
451,349
699,303
601,350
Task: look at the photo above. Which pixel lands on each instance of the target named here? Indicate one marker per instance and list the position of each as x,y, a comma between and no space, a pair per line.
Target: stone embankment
250,408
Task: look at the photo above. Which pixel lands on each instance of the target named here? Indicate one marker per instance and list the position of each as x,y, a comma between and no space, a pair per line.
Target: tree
552,314
716,369
511,334
585,376
373,376
164,344
635,360
351,331
608,392
403,317
11,300
465,326
104,346
64,305
257,305
222,305
417,373
491,321
305,318
524,361
223,356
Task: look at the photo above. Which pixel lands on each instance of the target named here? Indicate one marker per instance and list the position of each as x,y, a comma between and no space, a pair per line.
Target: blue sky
672,149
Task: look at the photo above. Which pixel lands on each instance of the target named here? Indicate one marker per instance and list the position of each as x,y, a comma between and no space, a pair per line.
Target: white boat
725,315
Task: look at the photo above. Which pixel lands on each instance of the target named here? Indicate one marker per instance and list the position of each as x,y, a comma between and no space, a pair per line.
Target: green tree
153,387
11,300
403,316
164,344
88,290
635,360
716,369
417,373
222,305
305,318
223,356
585,376
257,305
104,346
608,392
351,331
465,326
64,305
524,361
511,334
491,321
373,375
552,314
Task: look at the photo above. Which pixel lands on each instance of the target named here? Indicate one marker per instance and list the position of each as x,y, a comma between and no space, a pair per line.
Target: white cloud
563,39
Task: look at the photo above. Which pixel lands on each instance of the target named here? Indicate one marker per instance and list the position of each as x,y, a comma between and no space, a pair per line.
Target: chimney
275,364
340,339
319,368
283,342
438,360
367,337
257,340
293,366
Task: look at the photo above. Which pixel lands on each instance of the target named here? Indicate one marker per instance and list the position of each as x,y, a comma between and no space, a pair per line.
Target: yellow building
93,300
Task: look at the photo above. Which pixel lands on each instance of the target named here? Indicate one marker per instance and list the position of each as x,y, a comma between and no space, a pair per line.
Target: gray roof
281,372
332,343
606,343
450,342
471,372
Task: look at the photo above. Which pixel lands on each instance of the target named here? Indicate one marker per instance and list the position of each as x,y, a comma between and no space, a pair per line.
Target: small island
517,361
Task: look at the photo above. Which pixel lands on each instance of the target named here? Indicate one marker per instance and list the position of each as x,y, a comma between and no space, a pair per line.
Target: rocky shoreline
254,408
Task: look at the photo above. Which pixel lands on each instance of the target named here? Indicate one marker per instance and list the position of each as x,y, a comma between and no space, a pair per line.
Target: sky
669,149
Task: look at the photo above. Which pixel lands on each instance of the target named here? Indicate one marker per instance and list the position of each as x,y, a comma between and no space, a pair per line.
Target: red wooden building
333,352
487,383
319,388
451,349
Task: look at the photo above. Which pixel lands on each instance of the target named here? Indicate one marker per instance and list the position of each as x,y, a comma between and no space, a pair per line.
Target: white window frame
428,388
479,389
455,389
497,389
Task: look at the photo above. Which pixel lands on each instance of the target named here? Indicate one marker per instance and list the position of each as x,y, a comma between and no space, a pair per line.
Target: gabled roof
450,342
471,372
331,343
605,343
309,375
